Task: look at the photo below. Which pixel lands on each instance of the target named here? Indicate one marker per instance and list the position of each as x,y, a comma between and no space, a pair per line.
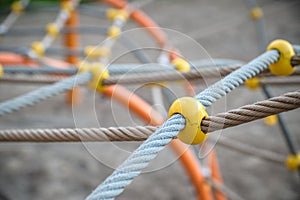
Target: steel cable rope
43,93
231,118
139,159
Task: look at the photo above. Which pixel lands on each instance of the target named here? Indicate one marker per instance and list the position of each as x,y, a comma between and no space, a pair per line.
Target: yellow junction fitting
38,48
271,120
193,112
1,70
94,52
113,32
99,74
252,83
52,29
283,66
293,162
256,13
181,65
17,7
113,14
66,6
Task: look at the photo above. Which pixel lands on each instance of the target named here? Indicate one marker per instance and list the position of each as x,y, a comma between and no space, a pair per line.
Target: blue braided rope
43,93
140,158
236,78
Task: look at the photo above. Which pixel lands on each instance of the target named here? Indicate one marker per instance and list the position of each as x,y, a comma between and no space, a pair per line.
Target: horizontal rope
231,118
248,113
138,133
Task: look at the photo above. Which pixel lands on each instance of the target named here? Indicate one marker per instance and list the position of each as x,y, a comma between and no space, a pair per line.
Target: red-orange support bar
71,42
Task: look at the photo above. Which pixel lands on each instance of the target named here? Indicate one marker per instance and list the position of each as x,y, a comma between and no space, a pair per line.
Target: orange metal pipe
216,175
149,115
71,41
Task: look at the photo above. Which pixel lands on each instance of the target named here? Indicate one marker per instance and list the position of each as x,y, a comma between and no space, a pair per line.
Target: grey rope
236,78
138,133
252,112
43,93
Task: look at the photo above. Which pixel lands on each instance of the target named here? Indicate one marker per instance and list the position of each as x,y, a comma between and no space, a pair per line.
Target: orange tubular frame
71,42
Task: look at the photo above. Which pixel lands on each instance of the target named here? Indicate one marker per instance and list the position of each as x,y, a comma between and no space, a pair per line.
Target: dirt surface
71,171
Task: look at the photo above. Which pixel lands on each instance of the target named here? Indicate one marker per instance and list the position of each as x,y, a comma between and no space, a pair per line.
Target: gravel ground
73,170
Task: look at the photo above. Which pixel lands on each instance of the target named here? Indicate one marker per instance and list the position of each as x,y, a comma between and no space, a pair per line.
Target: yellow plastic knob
256,13
193,112
252,83
293,162
67,6
98,71
52,29
94,52
1,70
113,14
113,32
38,48
283,66
271,120
181,65
17,7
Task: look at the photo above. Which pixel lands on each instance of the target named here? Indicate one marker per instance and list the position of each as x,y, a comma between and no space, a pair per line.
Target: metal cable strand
138,133
33,79
252,112
139,78
138,160
236,78
43,93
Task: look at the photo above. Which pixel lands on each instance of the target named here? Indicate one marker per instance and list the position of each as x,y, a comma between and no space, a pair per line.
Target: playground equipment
188,120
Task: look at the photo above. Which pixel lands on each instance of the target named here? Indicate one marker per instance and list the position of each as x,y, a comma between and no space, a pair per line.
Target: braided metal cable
43,93
24,78
138,133
236,78
252,112
138,160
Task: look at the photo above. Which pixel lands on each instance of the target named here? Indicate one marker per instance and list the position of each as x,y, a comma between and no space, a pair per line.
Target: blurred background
203,29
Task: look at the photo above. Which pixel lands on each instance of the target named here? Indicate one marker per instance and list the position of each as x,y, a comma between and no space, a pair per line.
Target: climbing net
188,121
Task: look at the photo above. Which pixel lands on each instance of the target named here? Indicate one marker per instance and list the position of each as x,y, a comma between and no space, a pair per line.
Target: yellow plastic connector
1,70
271,120
283,66
193,112
293,162
99,74
256,13
66,6
17,7
113,32
181,65
94,52
38,48
252,83
113,14
52,29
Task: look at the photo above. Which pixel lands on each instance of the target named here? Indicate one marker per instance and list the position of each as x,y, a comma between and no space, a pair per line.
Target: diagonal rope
43,93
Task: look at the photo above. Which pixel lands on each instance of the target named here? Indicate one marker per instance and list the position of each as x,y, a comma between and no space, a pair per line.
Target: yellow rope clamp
271,120
113,32
38,48
181,65
94,52
256,13
293,162
1,70
113,14
99,74
252,83
66,6
52,29
283,66
193,112
17,7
